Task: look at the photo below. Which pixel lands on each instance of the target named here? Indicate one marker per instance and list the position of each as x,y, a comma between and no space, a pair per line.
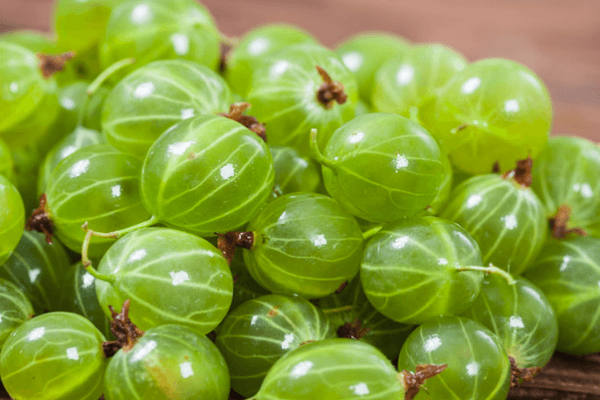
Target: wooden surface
559,40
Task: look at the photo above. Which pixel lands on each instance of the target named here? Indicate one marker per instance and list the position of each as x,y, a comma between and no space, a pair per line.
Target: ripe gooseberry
494,110
12,218
155,97
422,267
478,366
409,83
256,45
260,331
26,164
37,268
301,87
15,309
500,211
365,52
443,196
41,357
244,286
6,162
381,167
294,173
301,243
340,369
170,277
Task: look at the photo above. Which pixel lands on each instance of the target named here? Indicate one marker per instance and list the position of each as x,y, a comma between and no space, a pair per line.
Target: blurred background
559,40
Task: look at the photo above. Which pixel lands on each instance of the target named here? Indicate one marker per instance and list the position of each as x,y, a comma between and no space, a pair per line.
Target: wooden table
559,40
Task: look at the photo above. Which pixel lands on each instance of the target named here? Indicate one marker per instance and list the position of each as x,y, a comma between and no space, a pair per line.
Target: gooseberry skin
151,30
78,295
229,175
383,333
294,173
15,309
37,268
410,269
409,83
244,286
446,186
41,357
170,277
78,139
255,46
499,213
12,218
304,244
521,317
6,162
99,185
568,272
494,110
382,167
567,173
332,369
283,95
478,366
168,362
155,97
26,167
364,53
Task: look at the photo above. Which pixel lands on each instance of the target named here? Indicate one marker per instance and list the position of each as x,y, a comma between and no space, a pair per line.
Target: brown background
558,39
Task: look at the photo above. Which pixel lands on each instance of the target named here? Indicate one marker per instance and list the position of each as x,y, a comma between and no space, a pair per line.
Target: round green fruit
12,218
294,173
15,309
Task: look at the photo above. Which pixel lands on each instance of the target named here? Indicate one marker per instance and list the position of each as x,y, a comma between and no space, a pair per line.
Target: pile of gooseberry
189,216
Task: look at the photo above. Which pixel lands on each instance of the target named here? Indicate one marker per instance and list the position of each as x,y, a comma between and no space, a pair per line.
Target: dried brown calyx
330,92
520,375
229,241
125,331
225,49
236,113
496,168
341,288
521,174
51,64
558,224
414,382
40,221
353,330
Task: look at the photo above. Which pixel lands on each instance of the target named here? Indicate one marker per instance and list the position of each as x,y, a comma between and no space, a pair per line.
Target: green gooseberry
409,83
96,184
294,173
244,286
151,30
155,97
500,211
419,268
42,356
361,108
381,167
302,244
494,110
364,53
37,268
6,162
228,175
256,45
568,272
443,196
260,331
170,277
78,295
12,218
566,173
78,139
521,317
478,366
168,362
15,309
301,87
353,317
26,164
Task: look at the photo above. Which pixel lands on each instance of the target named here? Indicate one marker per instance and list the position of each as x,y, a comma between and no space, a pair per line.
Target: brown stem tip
521,174
520,375
229,241
414,382
51,64
236,111
125,331
558,224
353,330
496,168
330,91
40,221
224,49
